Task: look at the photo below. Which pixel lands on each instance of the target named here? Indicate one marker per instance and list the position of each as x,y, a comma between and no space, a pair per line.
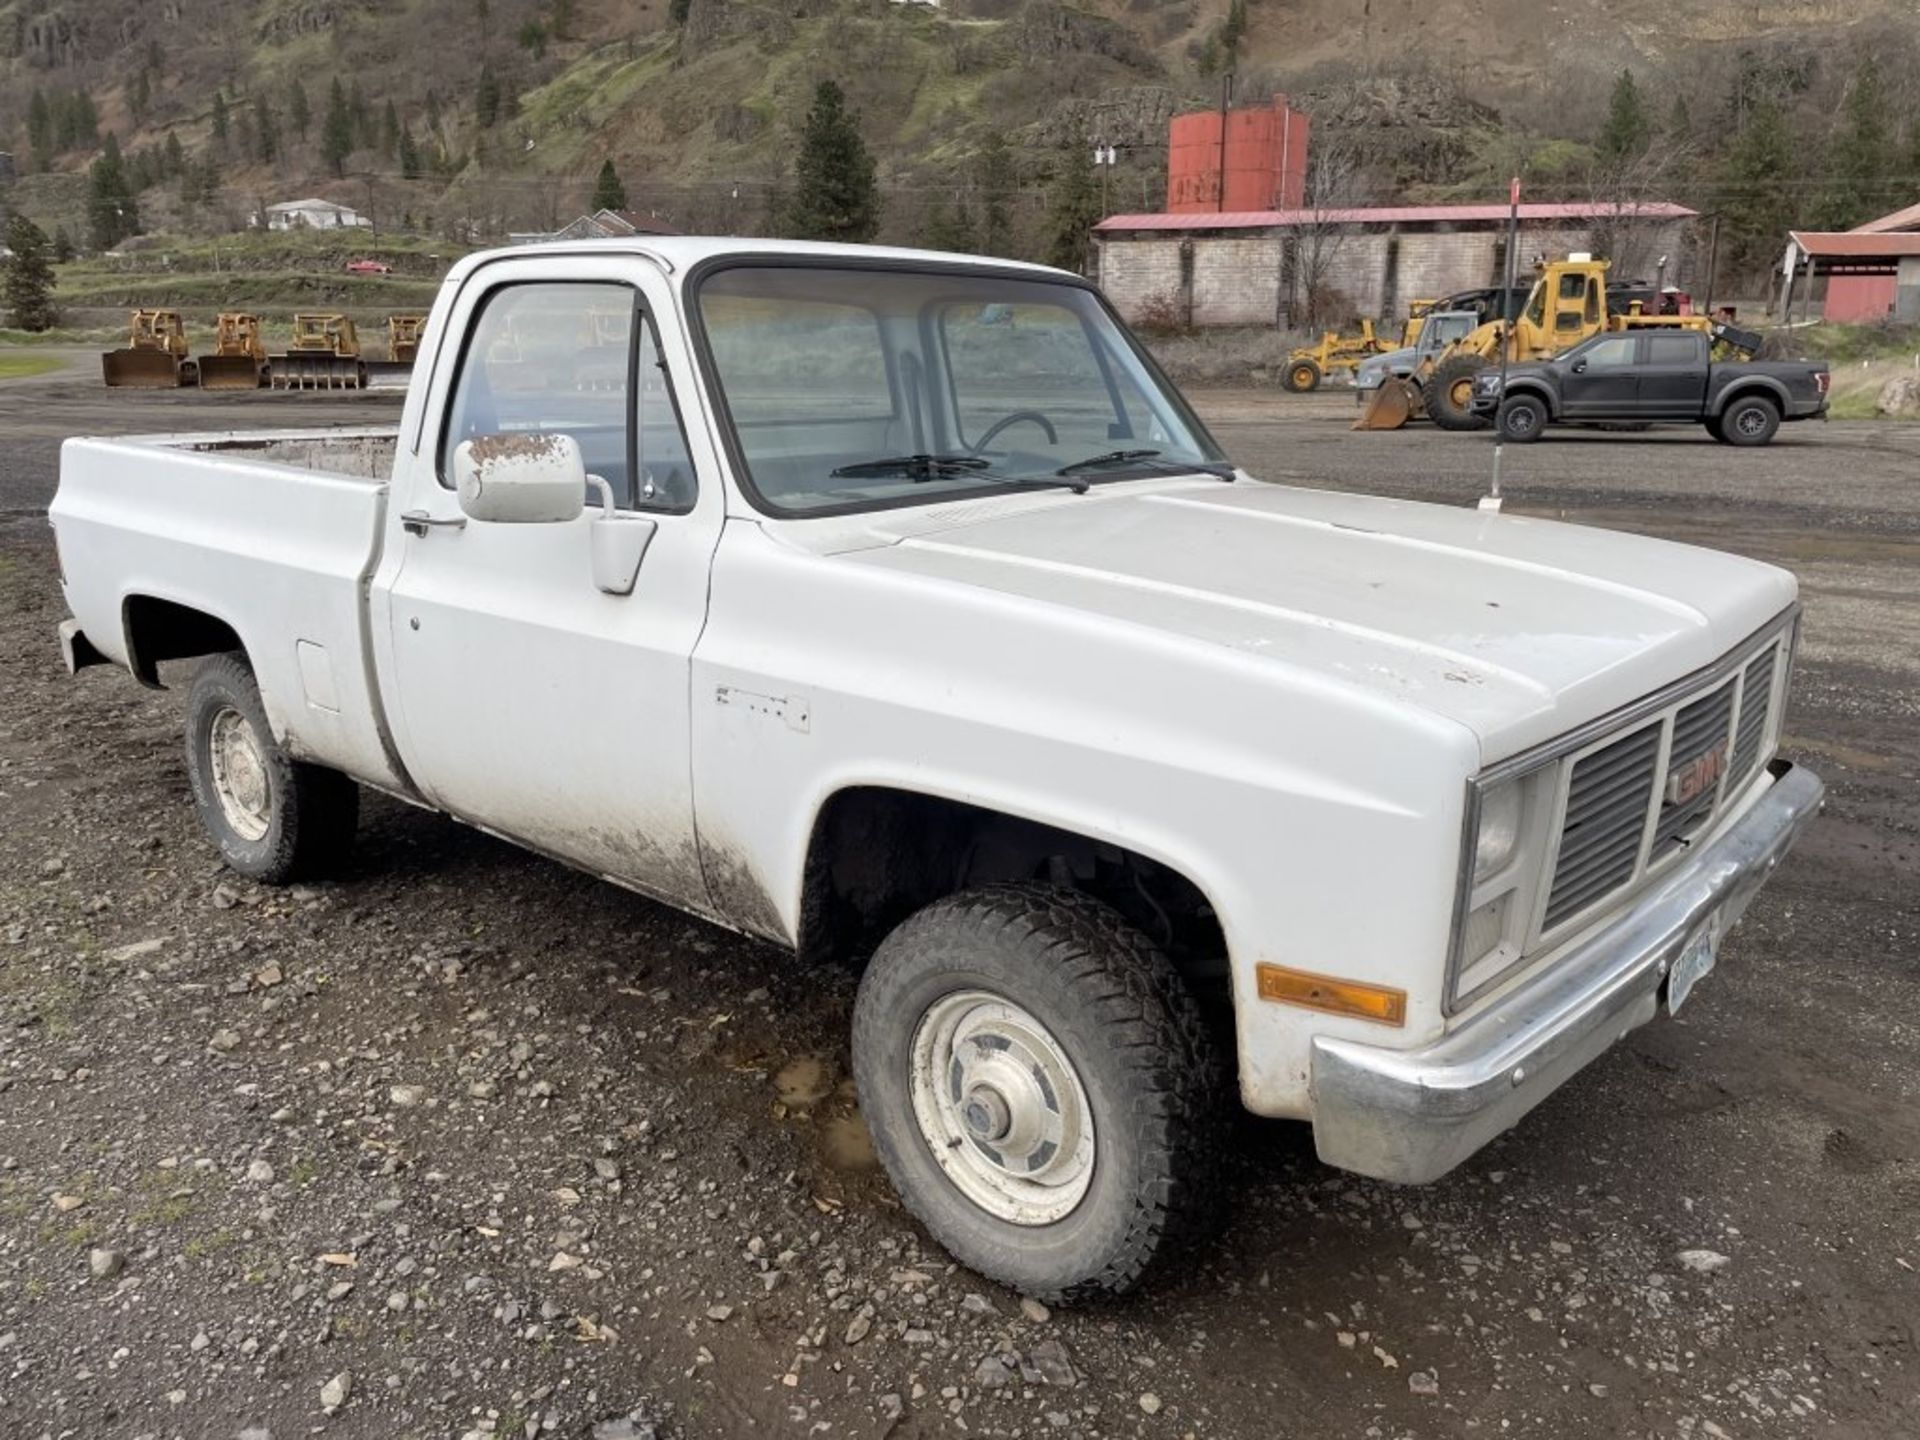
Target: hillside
510,106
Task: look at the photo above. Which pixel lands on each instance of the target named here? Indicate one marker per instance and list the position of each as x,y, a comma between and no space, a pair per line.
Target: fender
1751,385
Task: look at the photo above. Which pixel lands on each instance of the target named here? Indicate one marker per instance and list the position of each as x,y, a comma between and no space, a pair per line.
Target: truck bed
274,532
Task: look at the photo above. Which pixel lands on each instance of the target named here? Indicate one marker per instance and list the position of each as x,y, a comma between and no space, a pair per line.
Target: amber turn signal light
1336,997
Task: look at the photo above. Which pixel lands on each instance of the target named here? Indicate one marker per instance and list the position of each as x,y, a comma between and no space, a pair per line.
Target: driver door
530,702
1601,380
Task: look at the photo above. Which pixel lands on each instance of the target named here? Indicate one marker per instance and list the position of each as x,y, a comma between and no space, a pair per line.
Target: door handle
419,522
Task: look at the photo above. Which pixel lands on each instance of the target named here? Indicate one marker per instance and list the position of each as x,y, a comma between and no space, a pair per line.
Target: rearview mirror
521,479
1580,367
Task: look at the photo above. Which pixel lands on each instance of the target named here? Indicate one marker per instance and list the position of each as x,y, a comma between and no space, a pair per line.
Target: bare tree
1621,189
1334,189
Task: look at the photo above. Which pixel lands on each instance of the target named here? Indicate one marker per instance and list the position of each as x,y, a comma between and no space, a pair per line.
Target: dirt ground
520,1154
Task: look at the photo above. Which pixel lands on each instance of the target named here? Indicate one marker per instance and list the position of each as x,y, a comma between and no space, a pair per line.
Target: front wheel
1041,1088
1750,420
273,818
1302,377
1449,392
1522,418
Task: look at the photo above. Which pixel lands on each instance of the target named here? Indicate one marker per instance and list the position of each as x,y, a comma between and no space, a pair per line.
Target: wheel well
1533,392
877,855
159,630
1752,390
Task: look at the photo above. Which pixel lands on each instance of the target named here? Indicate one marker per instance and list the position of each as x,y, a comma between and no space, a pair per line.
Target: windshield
858,388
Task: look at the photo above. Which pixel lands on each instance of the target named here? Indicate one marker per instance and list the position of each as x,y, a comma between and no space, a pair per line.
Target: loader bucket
140,370
1395,403
230,372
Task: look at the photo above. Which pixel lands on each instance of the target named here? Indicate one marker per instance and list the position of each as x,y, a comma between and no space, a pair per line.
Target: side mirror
617,542
1580,367
521,479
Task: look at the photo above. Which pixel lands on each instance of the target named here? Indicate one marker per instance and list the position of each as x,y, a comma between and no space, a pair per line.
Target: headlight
1499,832
1487,383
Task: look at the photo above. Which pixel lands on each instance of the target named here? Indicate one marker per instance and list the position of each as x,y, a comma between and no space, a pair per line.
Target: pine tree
949,227
28,277
173,159
40,128
140,97
365,137
220,119
299,111
1860,161
1233,30
266,133
112,213
560,19
410,166
1627,131
336,130
678,10
608,192
486,98
835,197
993,175
1074,209
63,249
1759,188
390,131
533,38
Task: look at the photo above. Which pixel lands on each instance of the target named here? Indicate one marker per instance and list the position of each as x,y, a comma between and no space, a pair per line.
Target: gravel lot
464,1143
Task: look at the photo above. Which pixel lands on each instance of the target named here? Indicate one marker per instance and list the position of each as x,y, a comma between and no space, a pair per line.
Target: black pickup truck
1650,375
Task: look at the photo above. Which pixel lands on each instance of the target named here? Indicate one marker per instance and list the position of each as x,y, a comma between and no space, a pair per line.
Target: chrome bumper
1412,1116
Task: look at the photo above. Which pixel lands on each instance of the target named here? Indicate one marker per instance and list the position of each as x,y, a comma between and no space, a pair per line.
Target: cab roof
680,253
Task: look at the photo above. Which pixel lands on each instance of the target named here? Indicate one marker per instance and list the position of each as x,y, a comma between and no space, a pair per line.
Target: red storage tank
1265,153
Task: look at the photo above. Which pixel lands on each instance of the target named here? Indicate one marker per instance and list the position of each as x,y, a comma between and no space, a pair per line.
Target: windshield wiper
922,468
1134,457
917,467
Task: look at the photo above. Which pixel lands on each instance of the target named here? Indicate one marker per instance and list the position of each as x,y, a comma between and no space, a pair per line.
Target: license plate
1695,962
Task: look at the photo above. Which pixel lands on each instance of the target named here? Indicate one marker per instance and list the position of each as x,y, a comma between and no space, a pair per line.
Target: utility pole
1105,157
1226,104
1491,500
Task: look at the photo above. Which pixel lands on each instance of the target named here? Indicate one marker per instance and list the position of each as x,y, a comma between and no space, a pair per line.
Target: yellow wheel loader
1568,304
324,354
155,356
239,359
403,343
1310,364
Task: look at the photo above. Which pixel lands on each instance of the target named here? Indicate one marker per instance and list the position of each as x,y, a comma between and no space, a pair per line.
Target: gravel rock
1704,1262
105,1264
1423,1382
336,1391
1150,1403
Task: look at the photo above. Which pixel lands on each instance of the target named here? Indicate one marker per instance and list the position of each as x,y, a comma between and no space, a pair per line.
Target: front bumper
1411,1116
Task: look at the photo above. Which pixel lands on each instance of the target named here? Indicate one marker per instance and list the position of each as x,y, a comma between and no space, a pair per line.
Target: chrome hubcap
239,775
1002,1108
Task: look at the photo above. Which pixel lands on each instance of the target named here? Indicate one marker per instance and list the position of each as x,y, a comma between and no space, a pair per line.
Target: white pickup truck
893,605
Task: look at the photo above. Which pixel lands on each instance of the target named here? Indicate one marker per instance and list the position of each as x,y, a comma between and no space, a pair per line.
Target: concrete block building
1253,267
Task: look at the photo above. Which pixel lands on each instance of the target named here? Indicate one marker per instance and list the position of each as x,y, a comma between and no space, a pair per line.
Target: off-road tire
1141,1050
1523,418
312,811
1749,420
1301,376
1449,402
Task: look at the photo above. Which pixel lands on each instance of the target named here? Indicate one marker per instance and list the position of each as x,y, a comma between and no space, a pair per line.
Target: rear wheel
1449,393
1522,418
273,818
1041,1088
1302,376
1749,420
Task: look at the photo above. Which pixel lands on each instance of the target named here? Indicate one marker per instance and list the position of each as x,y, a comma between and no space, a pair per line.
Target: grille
1755,703
1610,793
1607,802
1698,731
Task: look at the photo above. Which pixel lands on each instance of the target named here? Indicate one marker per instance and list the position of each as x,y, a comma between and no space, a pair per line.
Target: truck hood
1518,629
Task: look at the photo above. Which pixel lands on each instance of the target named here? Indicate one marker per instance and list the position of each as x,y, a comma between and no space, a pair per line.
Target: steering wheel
1030,417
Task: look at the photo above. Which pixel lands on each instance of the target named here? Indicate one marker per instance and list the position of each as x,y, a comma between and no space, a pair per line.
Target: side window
564,359
1610,354
1673,350
1566,311
1593,302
